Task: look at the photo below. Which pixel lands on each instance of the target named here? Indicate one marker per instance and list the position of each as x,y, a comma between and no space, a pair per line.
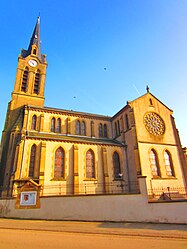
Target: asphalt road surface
34,239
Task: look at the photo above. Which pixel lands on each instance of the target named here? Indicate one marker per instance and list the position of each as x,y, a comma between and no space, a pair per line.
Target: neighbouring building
70,152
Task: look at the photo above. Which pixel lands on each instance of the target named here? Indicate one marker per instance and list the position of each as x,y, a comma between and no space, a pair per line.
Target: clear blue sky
139,42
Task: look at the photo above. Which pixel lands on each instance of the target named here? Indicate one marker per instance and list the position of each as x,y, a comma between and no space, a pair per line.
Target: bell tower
28,91
31,73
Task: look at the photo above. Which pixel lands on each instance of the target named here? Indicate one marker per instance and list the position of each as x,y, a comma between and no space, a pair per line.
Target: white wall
128,208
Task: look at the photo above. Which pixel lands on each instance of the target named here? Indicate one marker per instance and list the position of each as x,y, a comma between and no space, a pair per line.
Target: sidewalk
105,228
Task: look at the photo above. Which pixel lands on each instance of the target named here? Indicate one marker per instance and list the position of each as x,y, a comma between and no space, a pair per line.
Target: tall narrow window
150,102
105,130
78,127
83,128
59,163
92,129
90,164
116,165
33,125
37,83
58,125
127,121
100,130
25,80
154,163
168,164
32,161
118,128
53,125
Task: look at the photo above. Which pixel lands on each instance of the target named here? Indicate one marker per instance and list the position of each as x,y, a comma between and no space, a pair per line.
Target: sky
138,42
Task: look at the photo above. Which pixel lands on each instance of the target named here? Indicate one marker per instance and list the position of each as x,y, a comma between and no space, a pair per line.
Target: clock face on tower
32,63
154,124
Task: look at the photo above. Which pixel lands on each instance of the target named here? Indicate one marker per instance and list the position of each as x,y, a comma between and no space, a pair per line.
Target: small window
168,164
33,125
83,128
105,130
90,164
127,121
32,161
59,163
92,129
154,163
78,127
53,125
25,80
100,130
150,102
58,125
34,51
118,128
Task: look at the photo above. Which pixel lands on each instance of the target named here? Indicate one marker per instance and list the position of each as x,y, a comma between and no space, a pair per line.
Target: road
21,239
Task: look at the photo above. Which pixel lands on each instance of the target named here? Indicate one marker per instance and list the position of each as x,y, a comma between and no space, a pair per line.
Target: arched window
59,163
116,165
92,129
154,163
83,128
78,127
150,102
105,130
37,83
33,125
100,130
53,125
116,129
90,164
168,164
25,80
127,121
34,51
32,161
58,125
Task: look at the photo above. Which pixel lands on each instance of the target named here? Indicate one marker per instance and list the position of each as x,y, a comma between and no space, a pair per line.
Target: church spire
34,42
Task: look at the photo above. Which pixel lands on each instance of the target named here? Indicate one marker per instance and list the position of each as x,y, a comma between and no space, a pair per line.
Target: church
77,153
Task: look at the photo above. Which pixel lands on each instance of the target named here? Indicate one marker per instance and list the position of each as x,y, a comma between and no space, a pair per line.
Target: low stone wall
130,208
123,208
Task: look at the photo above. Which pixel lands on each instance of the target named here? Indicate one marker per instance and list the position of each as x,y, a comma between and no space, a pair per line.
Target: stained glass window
168,164
90,164
33,125
25,80
32,161
58,125
53,125
59,163
154,163
78,127
83,128
116,165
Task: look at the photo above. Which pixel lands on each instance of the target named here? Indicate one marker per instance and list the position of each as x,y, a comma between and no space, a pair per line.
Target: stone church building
74,153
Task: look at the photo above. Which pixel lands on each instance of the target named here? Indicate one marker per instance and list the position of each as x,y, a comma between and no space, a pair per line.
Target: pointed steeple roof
35,39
